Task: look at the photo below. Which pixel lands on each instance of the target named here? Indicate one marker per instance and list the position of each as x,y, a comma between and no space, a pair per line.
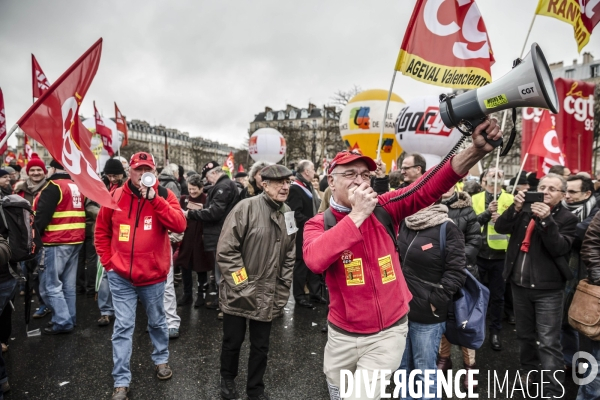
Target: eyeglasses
406,168
365,176
551,189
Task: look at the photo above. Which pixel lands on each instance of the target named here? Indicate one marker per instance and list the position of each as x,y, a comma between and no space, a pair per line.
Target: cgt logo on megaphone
428,122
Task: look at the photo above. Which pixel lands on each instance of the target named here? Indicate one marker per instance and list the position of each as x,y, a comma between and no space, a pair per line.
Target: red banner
121,125
574,125
104,132
446,44
2,124
39,81
53,121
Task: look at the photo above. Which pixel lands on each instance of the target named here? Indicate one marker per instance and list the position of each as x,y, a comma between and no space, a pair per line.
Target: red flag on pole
2,124
446,44
39,81
545,145
121,125
53,120
104,132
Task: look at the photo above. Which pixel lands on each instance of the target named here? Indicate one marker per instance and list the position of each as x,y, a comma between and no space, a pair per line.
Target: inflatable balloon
420,129
360,124
267,144
97,146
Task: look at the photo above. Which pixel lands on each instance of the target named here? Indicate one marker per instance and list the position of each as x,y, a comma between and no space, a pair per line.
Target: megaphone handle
494,143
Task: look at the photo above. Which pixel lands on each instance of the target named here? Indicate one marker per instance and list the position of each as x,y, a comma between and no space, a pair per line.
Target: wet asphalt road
38,367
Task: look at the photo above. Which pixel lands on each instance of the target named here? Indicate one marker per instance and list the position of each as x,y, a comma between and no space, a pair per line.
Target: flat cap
275,171
241,175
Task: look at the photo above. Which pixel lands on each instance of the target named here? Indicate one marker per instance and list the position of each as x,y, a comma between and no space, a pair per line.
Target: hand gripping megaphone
528,84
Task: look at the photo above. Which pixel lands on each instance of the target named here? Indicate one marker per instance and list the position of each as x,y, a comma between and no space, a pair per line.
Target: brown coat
256,257
191,251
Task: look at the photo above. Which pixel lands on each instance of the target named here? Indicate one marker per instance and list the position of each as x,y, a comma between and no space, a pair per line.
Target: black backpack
17,217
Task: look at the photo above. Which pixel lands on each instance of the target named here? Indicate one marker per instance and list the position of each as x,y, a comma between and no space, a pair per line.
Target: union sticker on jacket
354,272
240,276
387,269
147,223
124,233
290,222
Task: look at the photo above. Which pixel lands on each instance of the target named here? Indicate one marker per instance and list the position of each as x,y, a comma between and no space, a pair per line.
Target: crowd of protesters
260,238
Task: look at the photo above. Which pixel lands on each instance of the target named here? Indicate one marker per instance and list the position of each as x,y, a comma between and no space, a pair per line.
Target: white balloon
420,129
117,137
267,144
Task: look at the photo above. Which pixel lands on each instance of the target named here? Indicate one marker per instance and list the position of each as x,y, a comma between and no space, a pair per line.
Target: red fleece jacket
134,242
368,293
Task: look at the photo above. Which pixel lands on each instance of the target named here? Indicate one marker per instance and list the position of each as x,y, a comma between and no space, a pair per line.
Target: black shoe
262,396
228,389
495,342
199,301
305,303
511,320
185,299
319,299
51,331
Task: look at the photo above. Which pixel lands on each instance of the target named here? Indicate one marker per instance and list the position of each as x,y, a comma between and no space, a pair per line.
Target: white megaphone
528,84
148,179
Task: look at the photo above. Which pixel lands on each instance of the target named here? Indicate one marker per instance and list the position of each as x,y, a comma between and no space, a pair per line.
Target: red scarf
527,240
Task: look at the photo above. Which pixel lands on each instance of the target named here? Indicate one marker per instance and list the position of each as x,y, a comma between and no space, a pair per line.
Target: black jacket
49,197
303,209
460,210
431,278
222,196
550,246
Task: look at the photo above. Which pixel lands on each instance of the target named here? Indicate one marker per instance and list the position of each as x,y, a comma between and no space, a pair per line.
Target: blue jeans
422,344
105,297
58,277
7,291
125,299
592,389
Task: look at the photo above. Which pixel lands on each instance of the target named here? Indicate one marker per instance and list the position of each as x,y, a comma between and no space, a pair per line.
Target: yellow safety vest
495,240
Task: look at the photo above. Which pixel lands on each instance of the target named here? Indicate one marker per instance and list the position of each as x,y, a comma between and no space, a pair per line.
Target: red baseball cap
347,157
140,159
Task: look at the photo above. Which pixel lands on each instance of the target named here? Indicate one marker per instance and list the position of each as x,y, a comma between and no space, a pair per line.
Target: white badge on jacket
290,222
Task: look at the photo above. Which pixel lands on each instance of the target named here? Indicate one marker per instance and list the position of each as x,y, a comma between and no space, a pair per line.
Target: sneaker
163,372
120,393
104,320
173,333
228,389
41,312
262,396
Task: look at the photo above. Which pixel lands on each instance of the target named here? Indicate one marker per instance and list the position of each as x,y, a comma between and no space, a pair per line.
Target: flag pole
34,142
498,156
519,174
387,104
9,134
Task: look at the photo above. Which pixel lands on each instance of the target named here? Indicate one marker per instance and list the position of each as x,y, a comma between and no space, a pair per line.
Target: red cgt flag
104,132
53,120
443,45
545,145
2,124
121,125
39,81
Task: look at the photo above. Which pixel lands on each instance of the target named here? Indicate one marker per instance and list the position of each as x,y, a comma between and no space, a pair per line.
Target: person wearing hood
134,247
5,187
254,186
582,203
36,172
460,211
168,179
60,220
433,278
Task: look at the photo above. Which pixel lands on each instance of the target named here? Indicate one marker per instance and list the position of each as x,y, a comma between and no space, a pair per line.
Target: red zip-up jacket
134,242
367,290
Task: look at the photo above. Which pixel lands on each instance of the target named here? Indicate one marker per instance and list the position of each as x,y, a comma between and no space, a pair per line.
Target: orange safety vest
68,221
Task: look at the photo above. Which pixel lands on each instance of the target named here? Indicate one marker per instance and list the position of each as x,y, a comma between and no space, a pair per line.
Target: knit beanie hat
56,164
35,161
114,167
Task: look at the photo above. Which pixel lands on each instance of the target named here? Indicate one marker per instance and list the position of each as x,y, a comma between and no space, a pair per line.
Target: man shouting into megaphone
369,297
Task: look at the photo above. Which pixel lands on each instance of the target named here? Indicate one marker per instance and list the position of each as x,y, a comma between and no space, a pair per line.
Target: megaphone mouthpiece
148,179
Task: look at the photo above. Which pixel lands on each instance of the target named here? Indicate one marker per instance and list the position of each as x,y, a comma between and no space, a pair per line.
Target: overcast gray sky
207,67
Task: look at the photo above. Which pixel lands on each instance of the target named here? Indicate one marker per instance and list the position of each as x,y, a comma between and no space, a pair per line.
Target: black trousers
304,276
538,314
187,275
491,271
87,265
234,331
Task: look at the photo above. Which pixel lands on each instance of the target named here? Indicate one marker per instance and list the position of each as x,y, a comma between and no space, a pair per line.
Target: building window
269,116
595,71
570,73
304,113
281,115
293,114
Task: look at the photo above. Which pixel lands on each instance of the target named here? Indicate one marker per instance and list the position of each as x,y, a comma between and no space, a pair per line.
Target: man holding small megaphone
134,248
